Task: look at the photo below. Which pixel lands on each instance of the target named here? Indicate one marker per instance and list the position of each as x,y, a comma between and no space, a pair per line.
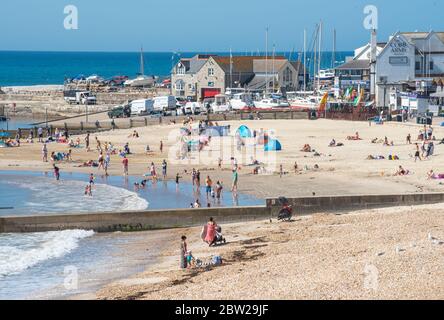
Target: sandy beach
376,254
316,257
342,170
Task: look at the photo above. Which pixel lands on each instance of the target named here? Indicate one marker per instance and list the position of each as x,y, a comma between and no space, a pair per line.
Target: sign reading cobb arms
399,47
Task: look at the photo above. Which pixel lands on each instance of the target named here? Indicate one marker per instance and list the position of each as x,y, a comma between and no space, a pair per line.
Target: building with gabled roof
406,60
205,76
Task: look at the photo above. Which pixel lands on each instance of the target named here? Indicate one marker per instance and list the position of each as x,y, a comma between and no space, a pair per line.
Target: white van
142,107
165,103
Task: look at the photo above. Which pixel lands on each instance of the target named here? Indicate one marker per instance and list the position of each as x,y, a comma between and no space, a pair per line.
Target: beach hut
273,145
244,132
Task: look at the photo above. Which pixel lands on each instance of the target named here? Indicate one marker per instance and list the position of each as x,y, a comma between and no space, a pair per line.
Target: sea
27,68
36,265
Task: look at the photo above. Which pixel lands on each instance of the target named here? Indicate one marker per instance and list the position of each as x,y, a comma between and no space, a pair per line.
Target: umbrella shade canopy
273,145
244,132
5,134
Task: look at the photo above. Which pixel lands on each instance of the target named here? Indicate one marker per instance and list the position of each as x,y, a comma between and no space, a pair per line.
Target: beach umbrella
5,134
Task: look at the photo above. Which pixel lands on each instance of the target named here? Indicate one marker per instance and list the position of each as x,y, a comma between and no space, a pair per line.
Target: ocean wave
49,196
19,252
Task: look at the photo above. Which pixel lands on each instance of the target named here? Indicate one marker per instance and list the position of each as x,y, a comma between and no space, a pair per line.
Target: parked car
120,112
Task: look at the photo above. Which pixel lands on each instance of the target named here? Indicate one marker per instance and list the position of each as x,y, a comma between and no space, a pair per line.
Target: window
288,75
180,69
431,65
180,85
210,72
418,65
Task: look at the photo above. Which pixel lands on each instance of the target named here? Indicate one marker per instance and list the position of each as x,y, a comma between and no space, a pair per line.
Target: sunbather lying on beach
306,148
89,164
370,157
355,137
402,172
435,176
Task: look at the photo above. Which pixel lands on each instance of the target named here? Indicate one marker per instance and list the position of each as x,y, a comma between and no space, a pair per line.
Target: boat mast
274,53
305,60
266,61
333,58
320,57
231,69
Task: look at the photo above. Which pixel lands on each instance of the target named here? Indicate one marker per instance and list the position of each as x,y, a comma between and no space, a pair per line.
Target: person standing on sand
44,153
409,139
183,253
101,161
99,145
17,138
210,237
87,142
125,166
219,164
281,171
161,146
40,134
295,167
417,153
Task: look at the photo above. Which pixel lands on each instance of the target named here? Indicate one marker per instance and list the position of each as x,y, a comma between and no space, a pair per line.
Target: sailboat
142,80
274,100
312,100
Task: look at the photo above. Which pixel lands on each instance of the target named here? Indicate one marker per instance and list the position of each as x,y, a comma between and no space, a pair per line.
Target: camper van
165,103
142,107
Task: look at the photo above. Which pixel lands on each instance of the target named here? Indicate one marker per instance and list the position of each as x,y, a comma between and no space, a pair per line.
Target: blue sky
203,25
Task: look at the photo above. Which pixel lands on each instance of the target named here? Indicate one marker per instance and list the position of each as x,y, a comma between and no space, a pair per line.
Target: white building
408,60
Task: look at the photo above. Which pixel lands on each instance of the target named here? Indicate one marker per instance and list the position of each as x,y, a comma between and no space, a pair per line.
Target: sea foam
19,252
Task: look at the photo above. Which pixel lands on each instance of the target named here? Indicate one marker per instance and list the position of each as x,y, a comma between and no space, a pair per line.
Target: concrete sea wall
163,219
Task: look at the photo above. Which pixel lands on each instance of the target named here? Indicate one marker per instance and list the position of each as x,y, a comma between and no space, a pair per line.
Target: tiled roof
241,64
262,66
355,64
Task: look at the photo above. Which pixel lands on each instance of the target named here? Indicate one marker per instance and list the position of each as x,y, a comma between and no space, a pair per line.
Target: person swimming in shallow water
88,190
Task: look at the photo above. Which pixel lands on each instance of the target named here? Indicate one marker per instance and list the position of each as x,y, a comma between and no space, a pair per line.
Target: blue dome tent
244,132
273,145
